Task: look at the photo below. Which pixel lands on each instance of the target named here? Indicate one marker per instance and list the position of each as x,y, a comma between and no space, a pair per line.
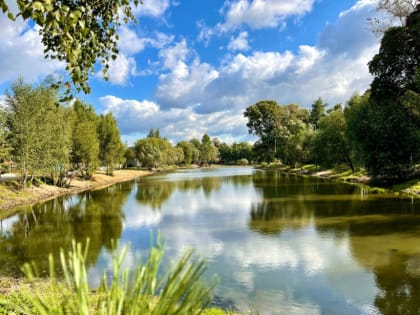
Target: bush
243,162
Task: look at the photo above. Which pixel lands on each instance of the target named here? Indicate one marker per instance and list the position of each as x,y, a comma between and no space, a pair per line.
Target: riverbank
11,196
410,187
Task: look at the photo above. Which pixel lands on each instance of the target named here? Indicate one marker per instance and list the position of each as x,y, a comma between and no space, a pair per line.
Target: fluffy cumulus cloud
121,69
183,83
21,52
135,116
131,43
240,42
259,14
155,8
334,69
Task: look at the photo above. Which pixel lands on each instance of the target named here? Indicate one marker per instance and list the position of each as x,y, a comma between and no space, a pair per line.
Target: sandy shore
11,197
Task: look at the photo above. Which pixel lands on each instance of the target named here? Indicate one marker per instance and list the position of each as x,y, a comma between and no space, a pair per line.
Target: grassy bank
12,196
410,187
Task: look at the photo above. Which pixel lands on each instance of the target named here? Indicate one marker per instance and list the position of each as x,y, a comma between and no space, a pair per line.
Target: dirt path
11,197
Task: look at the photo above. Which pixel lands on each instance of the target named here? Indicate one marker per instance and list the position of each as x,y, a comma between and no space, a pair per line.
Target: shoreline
11,197
410,188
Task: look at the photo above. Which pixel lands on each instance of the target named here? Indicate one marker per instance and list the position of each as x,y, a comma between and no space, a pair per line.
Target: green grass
180,290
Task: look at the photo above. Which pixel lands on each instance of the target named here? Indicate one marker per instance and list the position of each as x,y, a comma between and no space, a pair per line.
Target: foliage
390,146
39,130
180,291
330,145
154,133
4,145
236,153
77,32
154,152
111,148
208,151
317,112
85,142
190,152
283,131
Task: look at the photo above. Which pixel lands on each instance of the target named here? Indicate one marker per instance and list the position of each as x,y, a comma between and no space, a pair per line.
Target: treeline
44,139
378,131
155,151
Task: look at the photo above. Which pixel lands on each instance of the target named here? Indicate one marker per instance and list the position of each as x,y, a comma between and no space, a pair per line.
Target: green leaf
11,16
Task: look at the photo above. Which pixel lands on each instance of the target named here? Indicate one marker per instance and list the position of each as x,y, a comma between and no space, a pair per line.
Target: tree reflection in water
44,228
383,236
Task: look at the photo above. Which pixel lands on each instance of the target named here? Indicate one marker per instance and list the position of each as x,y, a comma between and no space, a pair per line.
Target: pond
280,244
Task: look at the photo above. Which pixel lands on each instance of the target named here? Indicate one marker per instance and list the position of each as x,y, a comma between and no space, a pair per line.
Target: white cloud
259,14
130,43
174,55
239,43
137,117
21,52
334,69
121,69
155,8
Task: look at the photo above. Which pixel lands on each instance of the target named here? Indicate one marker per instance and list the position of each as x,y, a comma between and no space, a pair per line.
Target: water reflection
383,235
280,244
43,228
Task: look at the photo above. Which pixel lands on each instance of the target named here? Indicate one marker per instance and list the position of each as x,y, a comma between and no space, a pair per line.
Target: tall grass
142,291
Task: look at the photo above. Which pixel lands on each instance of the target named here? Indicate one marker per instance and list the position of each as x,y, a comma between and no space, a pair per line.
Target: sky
191,67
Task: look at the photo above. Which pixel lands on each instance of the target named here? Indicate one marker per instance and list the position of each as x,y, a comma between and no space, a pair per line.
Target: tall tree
39,131
78,32
330,145
111,148
154,133
188,151
317,112
4,144
208,151
85,142
391,147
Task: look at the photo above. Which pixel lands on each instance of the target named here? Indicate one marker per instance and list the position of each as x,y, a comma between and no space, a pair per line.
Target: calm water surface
279,244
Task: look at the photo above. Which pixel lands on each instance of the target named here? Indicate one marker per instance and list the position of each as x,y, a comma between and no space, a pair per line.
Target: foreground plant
142,291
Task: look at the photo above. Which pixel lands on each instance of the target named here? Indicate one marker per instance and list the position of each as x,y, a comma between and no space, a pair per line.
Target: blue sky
192,67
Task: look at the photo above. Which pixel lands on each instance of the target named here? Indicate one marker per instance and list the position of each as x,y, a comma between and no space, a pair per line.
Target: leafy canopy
78,32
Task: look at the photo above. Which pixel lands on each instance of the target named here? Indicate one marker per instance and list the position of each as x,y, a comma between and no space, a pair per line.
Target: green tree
153,152
4,144
154,133
85,142
130,156
356,116
111,148
196,152
264,121
317,112
77,32
390,147
188,150
39,131
208,151
236,153
330,145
